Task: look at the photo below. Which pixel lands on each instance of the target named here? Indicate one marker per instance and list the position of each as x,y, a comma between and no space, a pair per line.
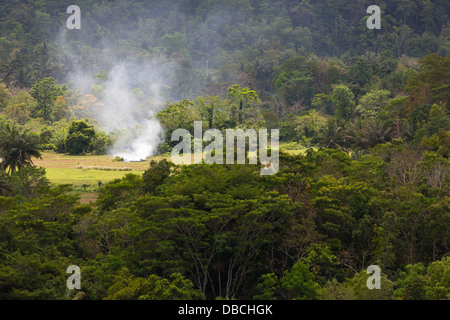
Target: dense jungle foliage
369,111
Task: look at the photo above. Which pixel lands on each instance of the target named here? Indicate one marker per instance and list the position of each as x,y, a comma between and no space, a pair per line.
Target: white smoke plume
133,92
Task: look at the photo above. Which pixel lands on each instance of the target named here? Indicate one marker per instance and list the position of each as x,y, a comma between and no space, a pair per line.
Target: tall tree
431,85
79,138
342,99
240,98
45,91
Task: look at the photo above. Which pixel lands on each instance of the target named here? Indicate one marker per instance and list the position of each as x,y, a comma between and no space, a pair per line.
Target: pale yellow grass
62,169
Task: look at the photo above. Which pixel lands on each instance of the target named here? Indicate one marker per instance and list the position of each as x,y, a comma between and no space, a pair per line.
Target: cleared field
62,169
293,148
63,161
78,177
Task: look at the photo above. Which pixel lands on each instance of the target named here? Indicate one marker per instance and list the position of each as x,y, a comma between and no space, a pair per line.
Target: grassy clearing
293,148
62,169
63,161
79,177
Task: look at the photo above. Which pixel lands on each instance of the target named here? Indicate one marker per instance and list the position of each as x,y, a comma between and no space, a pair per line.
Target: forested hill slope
216,41
364,171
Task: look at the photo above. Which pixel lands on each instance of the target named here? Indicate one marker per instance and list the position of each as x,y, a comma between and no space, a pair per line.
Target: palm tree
17,147
331,135
43,62
374,132
18,72
352,133
6,70
23,77
366,133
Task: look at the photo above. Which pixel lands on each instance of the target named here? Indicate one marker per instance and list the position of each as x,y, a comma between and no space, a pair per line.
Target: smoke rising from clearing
142,144
132,94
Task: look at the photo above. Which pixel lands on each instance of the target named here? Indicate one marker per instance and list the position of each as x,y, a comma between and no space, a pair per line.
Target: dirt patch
88,197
